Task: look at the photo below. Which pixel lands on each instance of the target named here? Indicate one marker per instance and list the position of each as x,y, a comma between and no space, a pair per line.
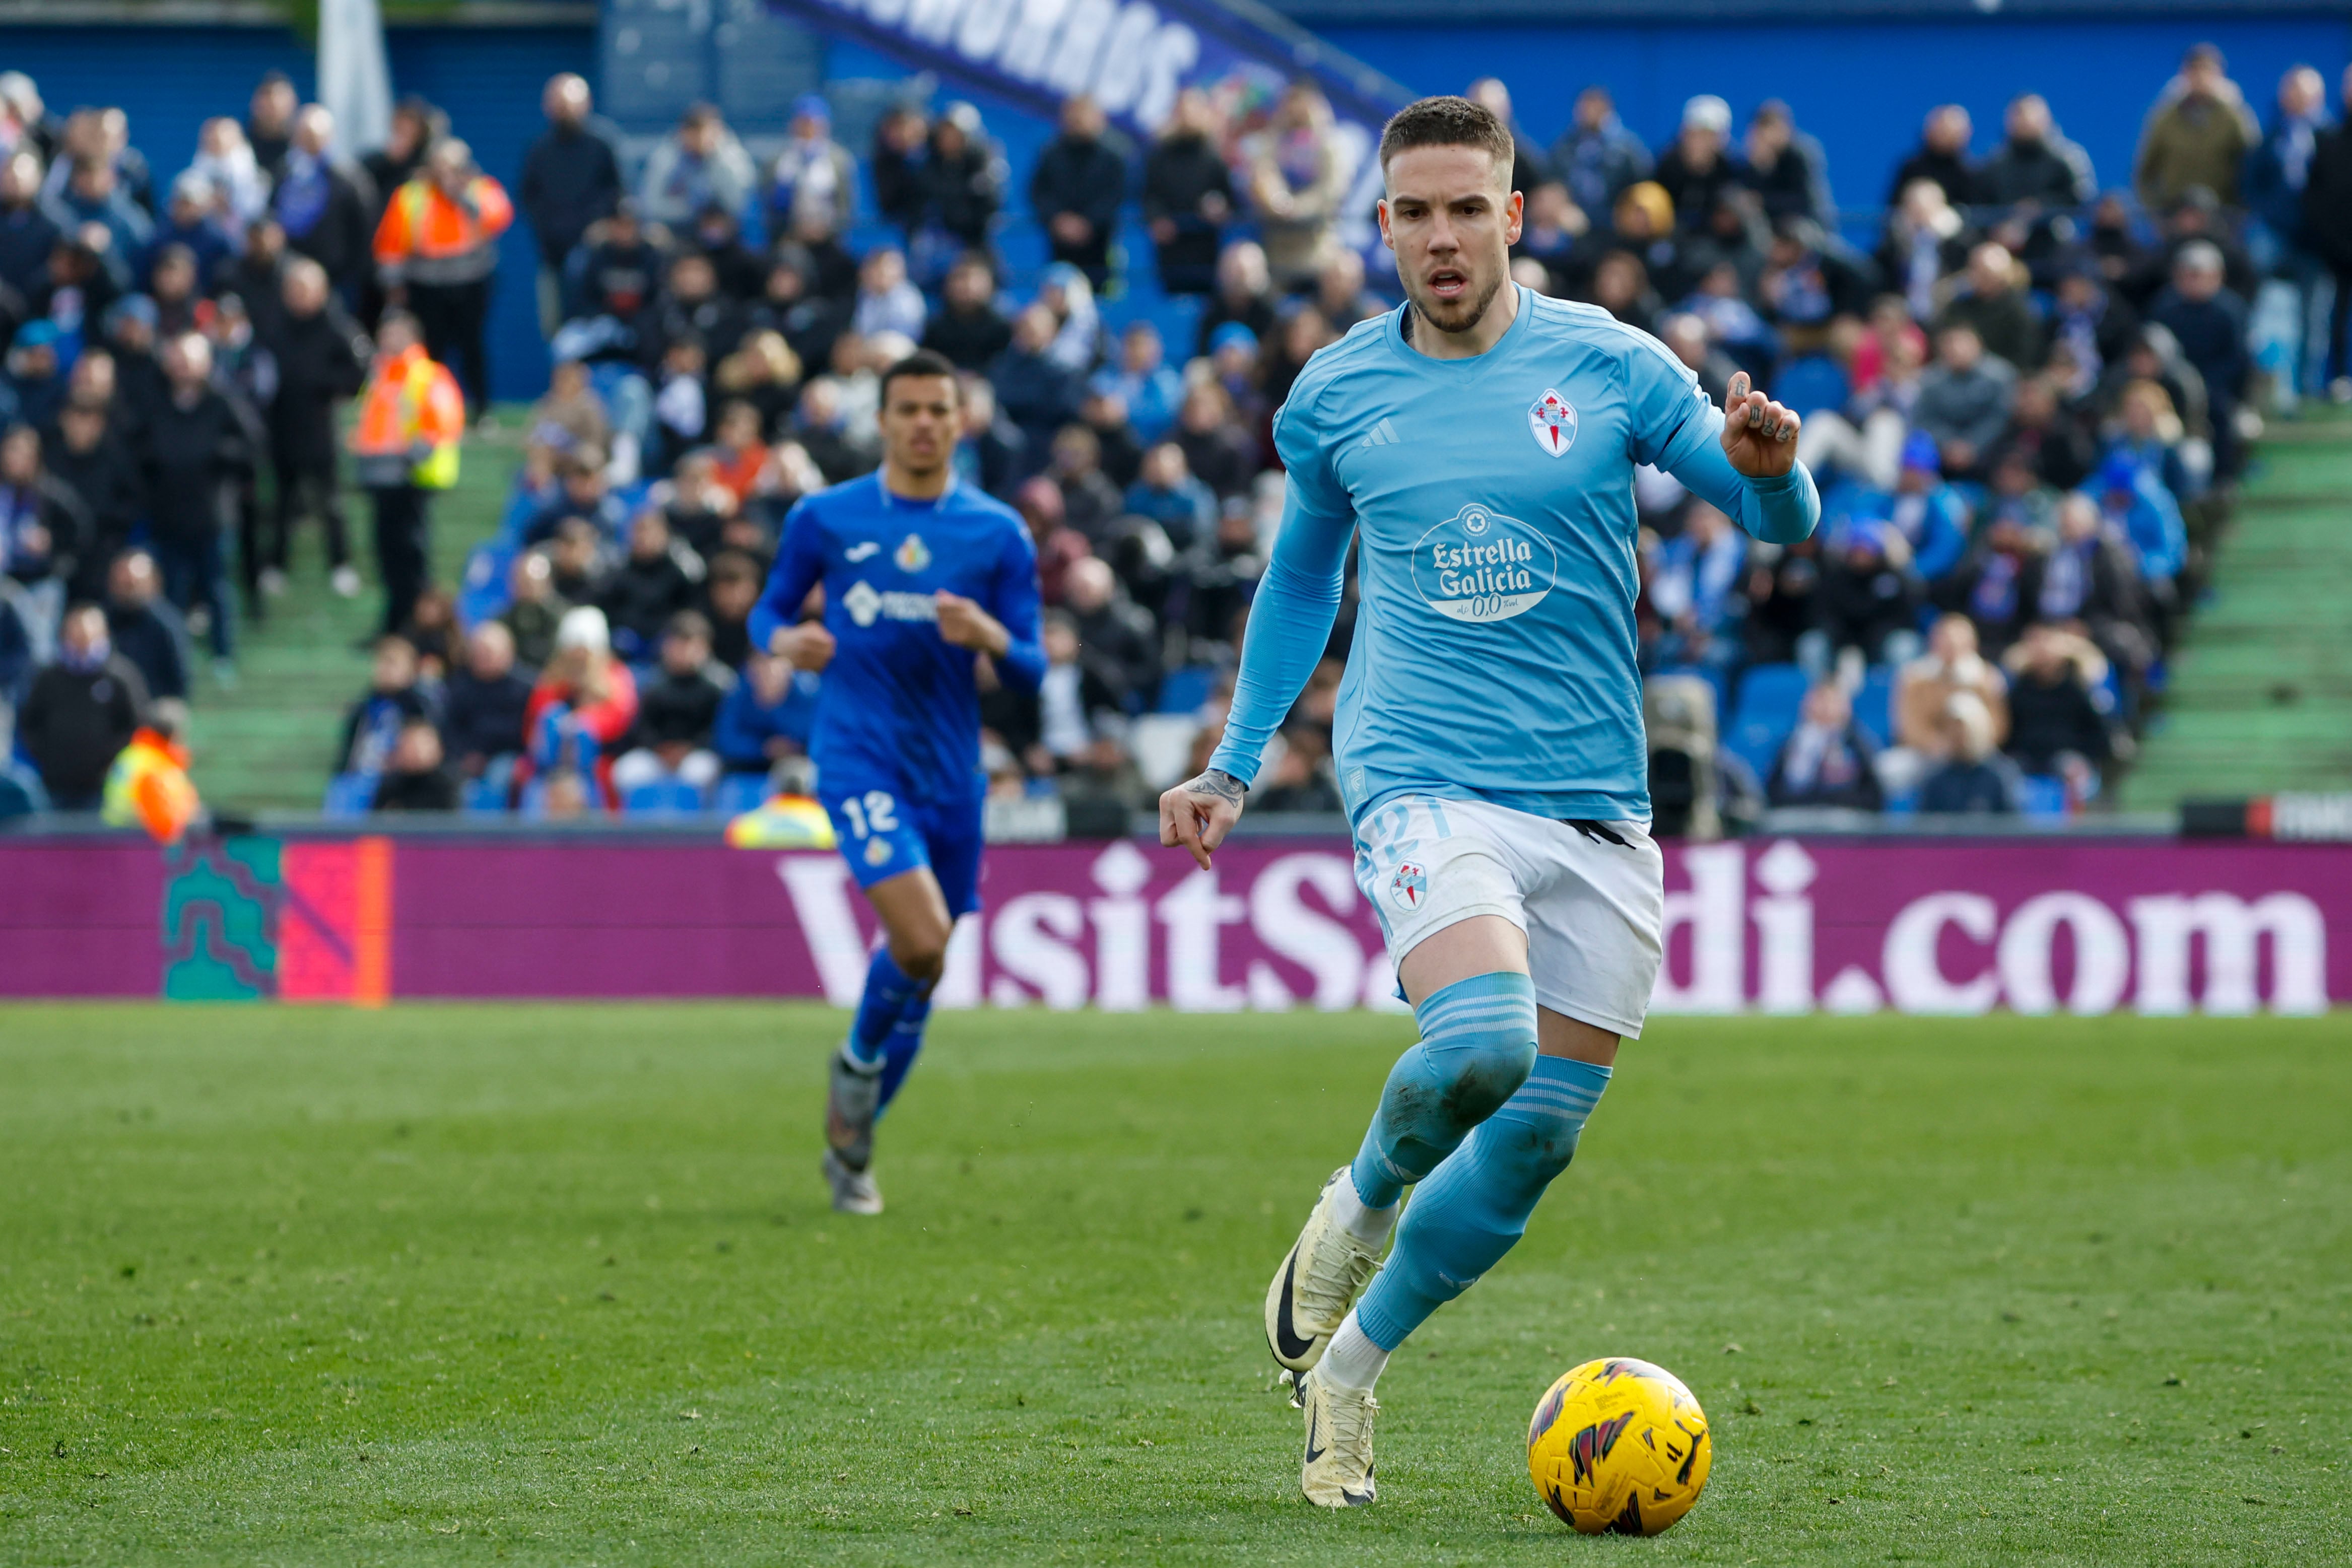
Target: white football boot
853,1191
1326,1269
1338,1469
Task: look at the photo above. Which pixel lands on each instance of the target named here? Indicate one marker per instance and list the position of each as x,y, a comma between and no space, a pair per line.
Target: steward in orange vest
436,249
148,785
405,447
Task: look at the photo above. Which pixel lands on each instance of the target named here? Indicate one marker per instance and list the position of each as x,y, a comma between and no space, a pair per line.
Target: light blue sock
906,1042
1477,1039
1474,1206
888,990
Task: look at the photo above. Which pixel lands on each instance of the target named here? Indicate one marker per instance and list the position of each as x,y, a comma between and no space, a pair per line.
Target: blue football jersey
1492,499
900,705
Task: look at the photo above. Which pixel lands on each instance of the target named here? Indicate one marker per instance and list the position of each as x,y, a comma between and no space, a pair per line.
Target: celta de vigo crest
1553,424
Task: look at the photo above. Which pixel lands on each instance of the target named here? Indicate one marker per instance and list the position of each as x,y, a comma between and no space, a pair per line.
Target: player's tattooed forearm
1217,782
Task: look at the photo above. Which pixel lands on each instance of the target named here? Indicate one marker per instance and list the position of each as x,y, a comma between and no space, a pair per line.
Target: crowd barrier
1787,924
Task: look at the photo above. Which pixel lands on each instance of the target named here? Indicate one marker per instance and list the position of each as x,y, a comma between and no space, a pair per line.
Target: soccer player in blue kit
1479,446
924,577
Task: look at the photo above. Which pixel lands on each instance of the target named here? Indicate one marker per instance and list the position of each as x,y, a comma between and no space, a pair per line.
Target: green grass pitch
557,1284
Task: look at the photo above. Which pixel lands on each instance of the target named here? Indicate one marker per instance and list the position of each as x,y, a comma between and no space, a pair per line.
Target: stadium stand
2029,407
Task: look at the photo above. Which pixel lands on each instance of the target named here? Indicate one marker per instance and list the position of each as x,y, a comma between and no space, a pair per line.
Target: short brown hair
1447,121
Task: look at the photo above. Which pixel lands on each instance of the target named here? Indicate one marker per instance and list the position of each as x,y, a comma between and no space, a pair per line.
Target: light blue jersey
1495,653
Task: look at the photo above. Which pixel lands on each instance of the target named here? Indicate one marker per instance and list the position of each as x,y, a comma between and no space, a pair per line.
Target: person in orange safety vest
148,785
436,250
405,446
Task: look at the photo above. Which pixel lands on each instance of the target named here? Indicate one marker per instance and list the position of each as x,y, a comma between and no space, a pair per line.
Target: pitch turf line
554,1284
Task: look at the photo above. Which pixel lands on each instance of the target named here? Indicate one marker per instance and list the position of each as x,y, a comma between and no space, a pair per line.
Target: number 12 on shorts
876,814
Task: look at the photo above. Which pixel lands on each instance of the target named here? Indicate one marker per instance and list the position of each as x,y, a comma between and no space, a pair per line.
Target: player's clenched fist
965,624
807,647
1198,814
1759,436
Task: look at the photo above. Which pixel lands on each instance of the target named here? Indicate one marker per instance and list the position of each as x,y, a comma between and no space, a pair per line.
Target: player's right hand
1198,814
807,647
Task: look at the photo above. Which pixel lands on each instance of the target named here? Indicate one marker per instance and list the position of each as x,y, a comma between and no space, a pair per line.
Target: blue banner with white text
1133,56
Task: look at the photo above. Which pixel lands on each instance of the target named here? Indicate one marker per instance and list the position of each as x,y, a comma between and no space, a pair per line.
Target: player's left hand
964,623
1759,436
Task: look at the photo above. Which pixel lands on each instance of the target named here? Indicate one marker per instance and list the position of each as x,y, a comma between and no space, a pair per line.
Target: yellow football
1619,1446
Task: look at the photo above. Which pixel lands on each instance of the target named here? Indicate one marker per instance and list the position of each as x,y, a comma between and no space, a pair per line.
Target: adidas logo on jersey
1383,434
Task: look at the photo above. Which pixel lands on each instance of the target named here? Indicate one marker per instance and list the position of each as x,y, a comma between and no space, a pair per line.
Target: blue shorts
882,835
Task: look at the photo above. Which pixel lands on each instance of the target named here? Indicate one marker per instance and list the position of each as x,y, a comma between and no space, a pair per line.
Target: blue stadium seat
348,795
1763,714
665,797
741,792
1810,384
488,795
2043,799
483,594
1874,704
1184,689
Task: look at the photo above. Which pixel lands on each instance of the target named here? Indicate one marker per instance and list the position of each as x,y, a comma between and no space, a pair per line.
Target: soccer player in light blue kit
924,577
1479,444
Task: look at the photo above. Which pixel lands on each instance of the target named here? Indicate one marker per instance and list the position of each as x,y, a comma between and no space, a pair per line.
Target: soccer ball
1619,1446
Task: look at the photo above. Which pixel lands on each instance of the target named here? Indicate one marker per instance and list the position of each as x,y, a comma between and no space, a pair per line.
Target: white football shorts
1591,899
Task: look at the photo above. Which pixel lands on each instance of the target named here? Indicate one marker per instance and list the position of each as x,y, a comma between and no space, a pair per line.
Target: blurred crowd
2027,397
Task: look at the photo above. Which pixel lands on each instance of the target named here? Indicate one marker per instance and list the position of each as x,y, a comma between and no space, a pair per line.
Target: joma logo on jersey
1479,565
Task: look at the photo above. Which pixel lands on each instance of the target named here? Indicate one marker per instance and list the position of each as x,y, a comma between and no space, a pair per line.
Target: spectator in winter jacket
677,710
1828,760
1245,294
1942,157
81,710
189,222
416,776
968,327
196,444
699,163
2035,163
1976,780
1993,301
584,702
2198,134
1596,157
86,454
1787,169
1700,165
323,360
1964,399
571,180
1077,189
321,206
27,234
93,193
814,173
373,724
2056,723
1038,395
2208,322
483,701
2327,225
146,630
961,189
1188,195
657,580
1296,181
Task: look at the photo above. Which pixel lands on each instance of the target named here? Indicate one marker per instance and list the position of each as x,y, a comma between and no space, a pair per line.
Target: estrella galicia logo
1552,421
912,554
1409,887
1479,565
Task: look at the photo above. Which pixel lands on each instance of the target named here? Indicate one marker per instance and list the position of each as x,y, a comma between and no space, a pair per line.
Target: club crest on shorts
1409,886
913,555
877,850
1553,423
